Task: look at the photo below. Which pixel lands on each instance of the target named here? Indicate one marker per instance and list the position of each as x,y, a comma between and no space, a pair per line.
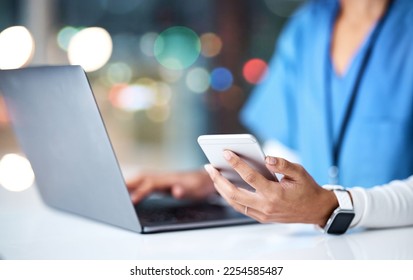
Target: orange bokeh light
211,44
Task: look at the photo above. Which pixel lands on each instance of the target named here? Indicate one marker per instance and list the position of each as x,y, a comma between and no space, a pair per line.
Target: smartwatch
340,220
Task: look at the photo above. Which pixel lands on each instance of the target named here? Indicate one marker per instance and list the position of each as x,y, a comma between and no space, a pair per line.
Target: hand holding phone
245,146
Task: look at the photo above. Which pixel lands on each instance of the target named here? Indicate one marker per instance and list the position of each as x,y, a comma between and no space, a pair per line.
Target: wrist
329,203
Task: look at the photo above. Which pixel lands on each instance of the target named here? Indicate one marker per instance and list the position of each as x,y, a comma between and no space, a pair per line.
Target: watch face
340,223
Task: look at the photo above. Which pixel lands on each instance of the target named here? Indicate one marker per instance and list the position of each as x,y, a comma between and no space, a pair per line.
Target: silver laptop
59,127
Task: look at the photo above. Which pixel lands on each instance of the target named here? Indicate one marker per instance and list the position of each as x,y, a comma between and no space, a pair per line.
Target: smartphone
245,146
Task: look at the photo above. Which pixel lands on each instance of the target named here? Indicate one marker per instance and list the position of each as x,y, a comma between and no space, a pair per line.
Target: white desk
31,230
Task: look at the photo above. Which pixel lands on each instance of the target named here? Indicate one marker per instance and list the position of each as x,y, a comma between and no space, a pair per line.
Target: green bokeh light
65,35
177,48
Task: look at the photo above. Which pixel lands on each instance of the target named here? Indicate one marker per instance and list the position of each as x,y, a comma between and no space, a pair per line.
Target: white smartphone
245,146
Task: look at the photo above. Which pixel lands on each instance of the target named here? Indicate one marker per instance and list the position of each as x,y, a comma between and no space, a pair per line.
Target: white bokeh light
16,173
119,72
90,48
147,43
134,97
16,47
197,80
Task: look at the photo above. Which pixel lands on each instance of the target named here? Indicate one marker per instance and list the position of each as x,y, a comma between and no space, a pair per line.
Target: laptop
59,127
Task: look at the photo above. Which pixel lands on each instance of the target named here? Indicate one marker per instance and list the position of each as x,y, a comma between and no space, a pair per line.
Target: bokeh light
144,94
170,76
114,95
211,44
233,98
16,47
65,35
119,72
254,70
177,48
147,43
163,93
197,80
4,118
221,79
16,173
132,97
158,113
91,48
283,8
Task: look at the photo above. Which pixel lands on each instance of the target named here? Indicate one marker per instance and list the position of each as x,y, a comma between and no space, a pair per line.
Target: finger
139,193
178,191
237,201
132,184
241,209
229,191
283,166
253,213
149,185
256,215
247,173
264,218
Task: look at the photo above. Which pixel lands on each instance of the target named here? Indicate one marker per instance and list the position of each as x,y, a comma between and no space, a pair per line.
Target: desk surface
31,230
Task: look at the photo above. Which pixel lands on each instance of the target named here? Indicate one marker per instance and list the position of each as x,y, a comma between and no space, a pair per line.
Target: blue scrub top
290,105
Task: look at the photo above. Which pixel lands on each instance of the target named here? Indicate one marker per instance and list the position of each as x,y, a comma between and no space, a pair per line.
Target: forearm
390,205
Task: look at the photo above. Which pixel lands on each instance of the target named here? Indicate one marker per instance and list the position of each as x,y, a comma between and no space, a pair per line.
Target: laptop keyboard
171,211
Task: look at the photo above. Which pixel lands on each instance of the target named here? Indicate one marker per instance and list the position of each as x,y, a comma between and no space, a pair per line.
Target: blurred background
163,71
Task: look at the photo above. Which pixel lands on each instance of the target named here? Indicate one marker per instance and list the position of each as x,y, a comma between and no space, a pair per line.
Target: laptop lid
59,127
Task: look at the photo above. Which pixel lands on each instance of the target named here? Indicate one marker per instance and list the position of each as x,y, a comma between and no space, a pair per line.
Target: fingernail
271,160
228,155
208,168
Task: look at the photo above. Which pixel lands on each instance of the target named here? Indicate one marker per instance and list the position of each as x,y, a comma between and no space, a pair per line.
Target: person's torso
378,142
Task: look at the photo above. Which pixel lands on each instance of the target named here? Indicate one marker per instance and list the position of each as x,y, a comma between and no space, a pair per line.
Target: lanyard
333,171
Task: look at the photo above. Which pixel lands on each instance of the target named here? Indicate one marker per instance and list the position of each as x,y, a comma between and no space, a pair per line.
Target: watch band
344,199
341,218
